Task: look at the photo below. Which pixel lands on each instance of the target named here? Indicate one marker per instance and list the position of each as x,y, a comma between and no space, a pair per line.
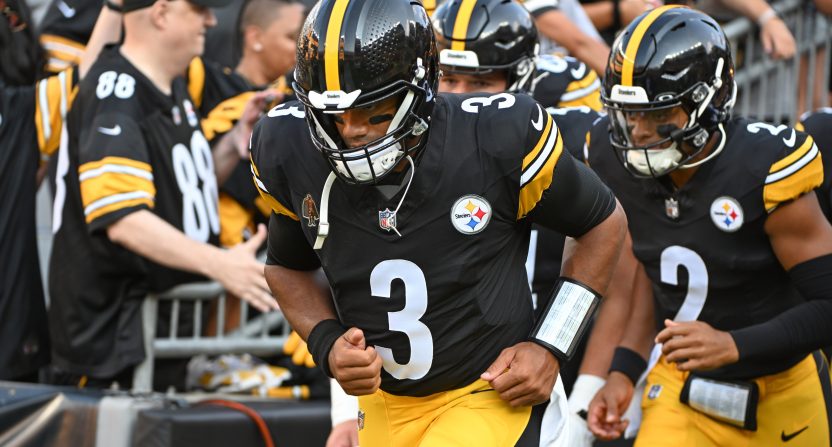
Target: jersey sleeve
266,168
538,7
65,30
584,88
114,172
543,149
797,170
53,98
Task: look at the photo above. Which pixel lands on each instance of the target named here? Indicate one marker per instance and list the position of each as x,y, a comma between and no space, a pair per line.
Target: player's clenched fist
354,365
523,374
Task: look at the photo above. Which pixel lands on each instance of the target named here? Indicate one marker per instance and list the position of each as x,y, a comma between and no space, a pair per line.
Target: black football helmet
669,57
478,37
354,53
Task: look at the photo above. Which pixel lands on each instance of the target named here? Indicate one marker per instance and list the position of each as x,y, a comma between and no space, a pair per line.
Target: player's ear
252,38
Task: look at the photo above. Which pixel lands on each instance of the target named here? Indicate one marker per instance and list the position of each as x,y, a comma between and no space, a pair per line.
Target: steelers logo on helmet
470,214
727,214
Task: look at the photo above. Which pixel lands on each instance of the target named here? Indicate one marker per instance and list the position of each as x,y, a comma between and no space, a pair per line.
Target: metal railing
253,335
777,91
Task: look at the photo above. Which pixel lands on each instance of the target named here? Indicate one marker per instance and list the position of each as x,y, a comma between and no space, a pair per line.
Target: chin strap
323,223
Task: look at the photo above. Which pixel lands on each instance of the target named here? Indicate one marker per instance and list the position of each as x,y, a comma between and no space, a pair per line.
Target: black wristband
320,342
112,6
628,362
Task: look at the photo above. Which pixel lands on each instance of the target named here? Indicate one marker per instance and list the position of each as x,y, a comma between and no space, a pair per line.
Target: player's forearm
303,296
611,321
147,235
591,258
640,327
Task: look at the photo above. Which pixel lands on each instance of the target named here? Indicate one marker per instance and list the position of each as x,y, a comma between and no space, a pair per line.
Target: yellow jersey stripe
332,46
463,16
531,192
223,117
104,210
112,184
274,204
794,156
531,156
196,80
114,161
635,42
234,220
799,182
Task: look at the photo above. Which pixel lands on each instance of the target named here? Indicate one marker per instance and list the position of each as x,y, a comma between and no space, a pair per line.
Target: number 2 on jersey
674,257
407,319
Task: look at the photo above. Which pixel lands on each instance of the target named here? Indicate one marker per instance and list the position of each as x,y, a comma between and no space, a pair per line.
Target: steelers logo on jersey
470,214
727,214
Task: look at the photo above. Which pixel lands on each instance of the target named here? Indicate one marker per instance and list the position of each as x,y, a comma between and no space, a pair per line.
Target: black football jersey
443,299
130,147
704,246
65,30
546,246
565,82
818,124
31,121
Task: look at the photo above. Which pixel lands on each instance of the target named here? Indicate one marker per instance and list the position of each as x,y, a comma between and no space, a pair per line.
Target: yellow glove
297,349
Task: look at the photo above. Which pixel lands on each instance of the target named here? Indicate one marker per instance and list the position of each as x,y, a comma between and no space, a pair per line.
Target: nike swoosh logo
538,125
111,131
579,72
790,141
789,437
66,10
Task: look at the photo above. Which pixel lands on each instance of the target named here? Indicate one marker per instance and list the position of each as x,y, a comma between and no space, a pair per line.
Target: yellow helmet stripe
463,16
430,6
332,46
635,42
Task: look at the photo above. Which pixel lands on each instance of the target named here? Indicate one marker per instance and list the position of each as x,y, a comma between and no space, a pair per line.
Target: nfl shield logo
387,219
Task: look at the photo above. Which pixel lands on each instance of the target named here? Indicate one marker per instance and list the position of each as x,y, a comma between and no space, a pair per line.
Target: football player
817,124
726,223
32,114
136,197
418,207
492,46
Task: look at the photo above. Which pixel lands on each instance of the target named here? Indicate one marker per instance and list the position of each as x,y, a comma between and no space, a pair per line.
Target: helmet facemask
677,145
370,162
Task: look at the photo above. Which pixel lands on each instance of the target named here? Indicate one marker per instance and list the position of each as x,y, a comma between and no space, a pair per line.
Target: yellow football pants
792,411
470,416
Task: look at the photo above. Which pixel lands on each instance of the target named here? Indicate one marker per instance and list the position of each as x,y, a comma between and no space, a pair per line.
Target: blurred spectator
31,127
584,44
65,30
610,16
777,40
141,215
222,43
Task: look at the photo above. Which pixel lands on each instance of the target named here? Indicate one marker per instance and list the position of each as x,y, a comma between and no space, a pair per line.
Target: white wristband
766,16
566,318
344,406
585,388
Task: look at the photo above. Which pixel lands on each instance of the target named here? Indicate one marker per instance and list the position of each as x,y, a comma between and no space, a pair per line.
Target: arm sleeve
287,245
803,328
575,202
53,98
114,170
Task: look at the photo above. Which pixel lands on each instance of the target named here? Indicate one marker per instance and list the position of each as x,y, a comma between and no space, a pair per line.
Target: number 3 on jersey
407,319
200,217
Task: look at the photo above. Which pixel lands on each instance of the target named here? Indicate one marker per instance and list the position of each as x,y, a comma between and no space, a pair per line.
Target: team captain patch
727,214
470,214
